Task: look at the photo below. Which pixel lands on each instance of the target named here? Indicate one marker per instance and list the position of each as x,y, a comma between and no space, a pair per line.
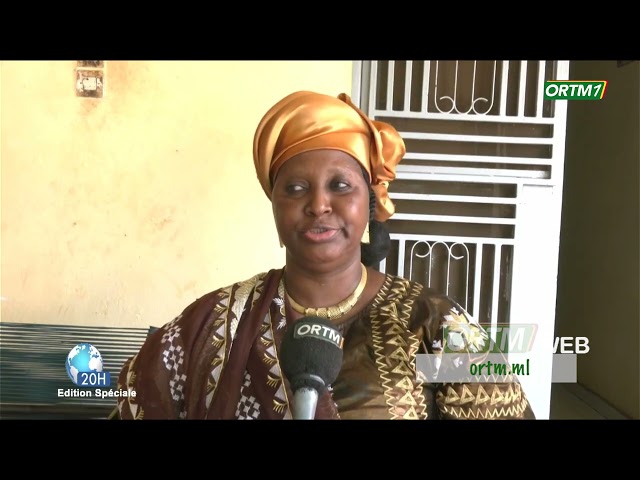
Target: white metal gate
478,195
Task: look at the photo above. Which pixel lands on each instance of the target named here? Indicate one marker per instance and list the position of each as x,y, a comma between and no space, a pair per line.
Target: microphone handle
305,400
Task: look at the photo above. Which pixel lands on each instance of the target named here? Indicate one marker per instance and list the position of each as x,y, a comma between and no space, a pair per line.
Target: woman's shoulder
400,286
428,304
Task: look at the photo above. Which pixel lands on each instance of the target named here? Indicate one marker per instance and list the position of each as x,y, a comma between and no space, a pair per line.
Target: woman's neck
312,288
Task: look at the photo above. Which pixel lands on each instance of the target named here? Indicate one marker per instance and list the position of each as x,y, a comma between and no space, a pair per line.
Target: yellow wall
123,210
598,287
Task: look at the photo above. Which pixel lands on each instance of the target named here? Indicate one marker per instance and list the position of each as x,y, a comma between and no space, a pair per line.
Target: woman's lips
320,234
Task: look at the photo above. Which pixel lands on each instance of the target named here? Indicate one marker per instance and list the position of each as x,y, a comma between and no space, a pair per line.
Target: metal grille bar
468,287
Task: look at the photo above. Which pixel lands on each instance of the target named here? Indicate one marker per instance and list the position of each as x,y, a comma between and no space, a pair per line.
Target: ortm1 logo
574,89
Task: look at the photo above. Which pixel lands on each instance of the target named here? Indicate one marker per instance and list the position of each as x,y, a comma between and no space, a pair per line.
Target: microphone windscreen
311,353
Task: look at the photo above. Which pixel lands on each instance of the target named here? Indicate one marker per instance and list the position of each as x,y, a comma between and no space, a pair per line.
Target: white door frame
538,200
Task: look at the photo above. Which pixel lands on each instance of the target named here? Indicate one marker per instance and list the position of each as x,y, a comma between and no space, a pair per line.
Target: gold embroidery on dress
395,329
397,340
240,300
279,300
497,395
392,340
378,348
399,354
403,369
504,403
508,395
216,368
518,392
481,395
219,308
467,396
391,309
219,341
411,414
492,413
272,381
452,396
131,378
279,407
135,409
407,399
220,335
274,376
405,384
268,360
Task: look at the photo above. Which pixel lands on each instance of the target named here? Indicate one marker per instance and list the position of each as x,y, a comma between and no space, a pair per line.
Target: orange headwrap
304,121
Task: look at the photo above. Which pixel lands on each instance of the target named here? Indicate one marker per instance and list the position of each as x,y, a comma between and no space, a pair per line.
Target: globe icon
83,358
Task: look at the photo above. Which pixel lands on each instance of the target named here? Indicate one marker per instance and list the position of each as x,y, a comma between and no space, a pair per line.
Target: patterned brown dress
219,360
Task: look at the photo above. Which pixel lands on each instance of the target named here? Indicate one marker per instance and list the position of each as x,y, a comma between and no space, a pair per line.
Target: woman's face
321,207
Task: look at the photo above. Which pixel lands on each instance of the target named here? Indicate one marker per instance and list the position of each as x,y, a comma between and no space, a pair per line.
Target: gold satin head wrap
304,121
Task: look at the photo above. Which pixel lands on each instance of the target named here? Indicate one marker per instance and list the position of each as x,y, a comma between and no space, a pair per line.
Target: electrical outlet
90,83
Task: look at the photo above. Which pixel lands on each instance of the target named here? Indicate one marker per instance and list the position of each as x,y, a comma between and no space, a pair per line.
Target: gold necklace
335,311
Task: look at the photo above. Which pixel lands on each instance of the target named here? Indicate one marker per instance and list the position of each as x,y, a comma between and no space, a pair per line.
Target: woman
325,167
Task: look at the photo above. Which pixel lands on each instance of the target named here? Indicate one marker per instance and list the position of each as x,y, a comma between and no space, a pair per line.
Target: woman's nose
319,203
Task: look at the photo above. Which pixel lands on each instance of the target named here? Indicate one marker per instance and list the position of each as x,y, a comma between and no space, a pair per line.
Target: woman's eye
338,185
294,188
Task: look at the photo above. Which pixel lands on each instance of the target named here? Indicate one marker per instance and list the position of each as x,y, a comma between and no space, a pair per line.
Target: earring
281,244
365,234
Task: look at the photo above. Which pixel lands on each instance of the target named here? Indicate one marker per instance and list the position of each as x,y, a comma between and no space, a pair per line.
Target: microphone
311,358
